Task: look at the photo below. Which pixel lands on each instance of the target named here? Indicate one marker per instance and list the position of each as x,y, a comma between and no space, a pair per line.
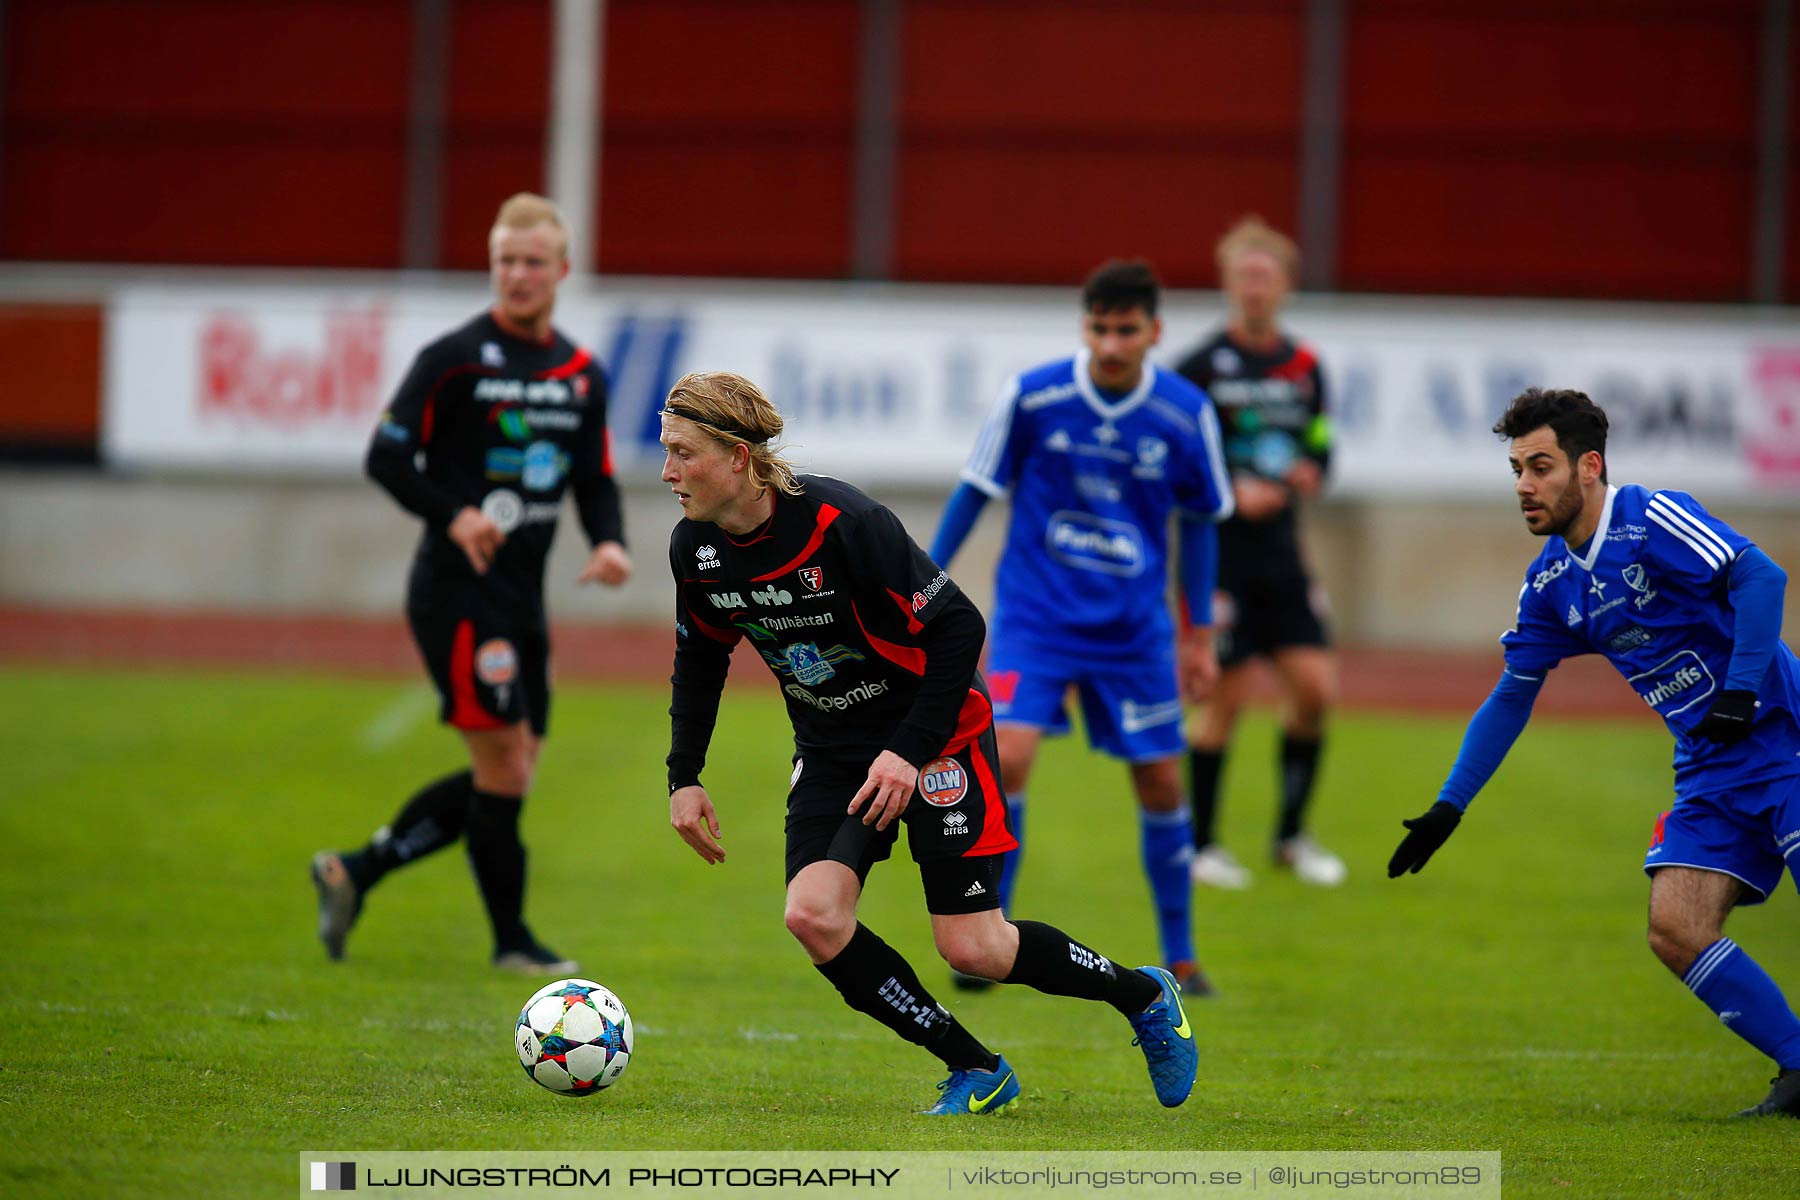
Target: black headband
742,435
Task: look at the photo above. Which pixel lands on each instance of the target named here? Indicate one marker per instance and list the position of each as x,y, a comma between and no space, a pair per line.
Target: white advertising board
890,385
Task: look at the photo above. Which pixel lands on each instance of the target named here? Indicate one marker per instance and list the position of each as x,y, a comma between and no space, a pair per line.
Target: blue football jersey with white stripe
1650,591
1093,480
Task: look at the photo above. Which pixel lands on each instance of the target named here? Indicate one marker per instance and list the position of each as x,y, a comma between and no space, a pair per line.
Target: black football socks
1203,792
1299,767
874,979
435,817
498,859
1051,961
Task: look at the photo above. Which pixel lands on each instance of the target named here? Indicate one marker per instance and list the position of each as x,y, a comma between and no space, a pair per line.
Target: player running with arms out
1095,453
491,424
875,650
1689,611
1270,395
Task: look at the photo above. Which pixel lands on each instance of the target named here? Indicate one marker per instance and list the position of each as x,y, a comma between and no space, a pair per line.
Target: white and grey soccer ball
574,1037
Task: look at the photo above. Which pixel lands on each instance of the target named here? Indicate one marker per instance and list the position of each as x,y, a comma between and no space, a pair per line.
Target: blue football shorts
1132,709
1749,832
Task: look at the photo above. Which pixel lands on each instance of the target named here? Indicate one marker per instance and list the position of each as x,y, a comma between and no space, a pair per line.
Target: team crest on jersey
943,782
496,662
807,664
1638,580
813,578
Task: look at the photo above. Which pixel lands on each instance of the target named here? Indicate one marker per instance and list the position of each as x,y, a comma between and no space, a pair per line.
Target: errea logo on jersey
706,558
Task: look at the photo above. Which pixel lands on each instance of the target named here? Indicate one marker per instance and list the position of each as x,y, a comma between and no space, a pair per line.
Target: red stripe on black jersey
574,366
429,417
1297,367
826,515
606,463
995,837
913,625
907,658
730,637
971,722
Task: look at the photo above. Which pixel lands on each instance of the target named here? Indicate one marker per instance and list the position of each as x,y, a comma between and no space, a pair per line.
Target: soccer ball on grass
574,1037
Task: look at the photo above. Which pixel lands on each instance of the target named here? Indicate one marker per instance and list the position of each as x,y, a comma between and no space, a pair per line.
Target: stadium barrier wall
235,416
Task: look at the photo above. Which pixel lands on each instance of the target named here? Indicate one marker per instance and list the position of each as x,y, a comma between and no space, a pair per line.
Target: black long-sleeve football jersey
491,420
1272,411
873,645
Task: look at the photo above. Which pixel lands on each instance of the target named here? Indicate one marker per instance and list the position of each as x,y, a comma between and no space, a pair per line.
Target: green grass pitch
169,1026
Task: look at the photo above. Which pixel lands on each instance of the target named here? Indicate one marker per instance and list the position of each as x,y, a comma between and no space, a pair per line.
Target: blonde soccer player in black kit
875,650
1269,391
492,424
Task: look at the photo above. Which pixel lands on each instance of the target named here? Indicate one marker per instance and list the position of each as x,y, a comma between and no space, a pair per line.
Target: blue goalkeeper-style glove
1729,719
1425,833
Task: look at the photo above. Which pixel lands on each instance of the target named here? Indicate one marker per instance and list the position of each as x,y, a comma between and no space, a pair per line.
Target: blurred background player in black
490,425
1270,395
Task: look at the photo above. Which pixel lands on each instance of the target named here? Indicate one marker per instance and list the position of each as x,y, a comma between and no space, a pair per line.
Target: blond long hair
732,411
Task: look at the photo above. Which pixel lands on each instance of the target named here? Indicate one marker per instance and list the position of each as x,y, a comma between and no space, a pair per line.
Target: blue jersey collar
1586,561
1084,383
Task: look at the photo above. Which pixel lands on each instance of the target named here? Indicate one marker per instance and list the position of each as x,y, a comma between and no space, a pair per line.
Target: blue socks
1729,982
1167,841
1009,869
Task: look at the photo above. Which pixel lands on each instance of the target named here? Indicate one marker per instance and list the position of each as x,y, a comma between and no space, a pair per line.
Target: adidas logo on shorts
975,889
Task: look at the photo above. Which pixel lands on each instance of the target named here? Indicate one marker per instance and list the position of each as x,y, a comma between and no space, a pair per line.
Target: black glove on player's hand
1729,718
1426,834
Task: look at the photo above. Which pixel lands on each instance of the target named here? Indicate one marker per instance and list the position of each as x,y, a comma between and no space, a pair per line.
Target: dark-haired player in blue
1095,453
1689,611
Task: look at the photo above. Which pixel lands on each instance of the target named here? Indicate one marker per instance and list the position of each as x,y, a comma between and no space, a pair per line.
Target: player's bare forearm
691,815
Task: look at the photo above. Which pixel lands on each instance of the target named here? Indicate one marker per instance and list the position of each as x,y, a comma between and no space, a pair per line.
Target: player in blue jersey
1689,611
1095,452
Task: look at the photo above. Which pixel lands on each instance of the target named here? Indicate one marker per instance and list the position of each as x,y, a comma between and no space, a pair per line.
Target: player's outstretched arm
1424,834
960,511
691,813
1494,728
